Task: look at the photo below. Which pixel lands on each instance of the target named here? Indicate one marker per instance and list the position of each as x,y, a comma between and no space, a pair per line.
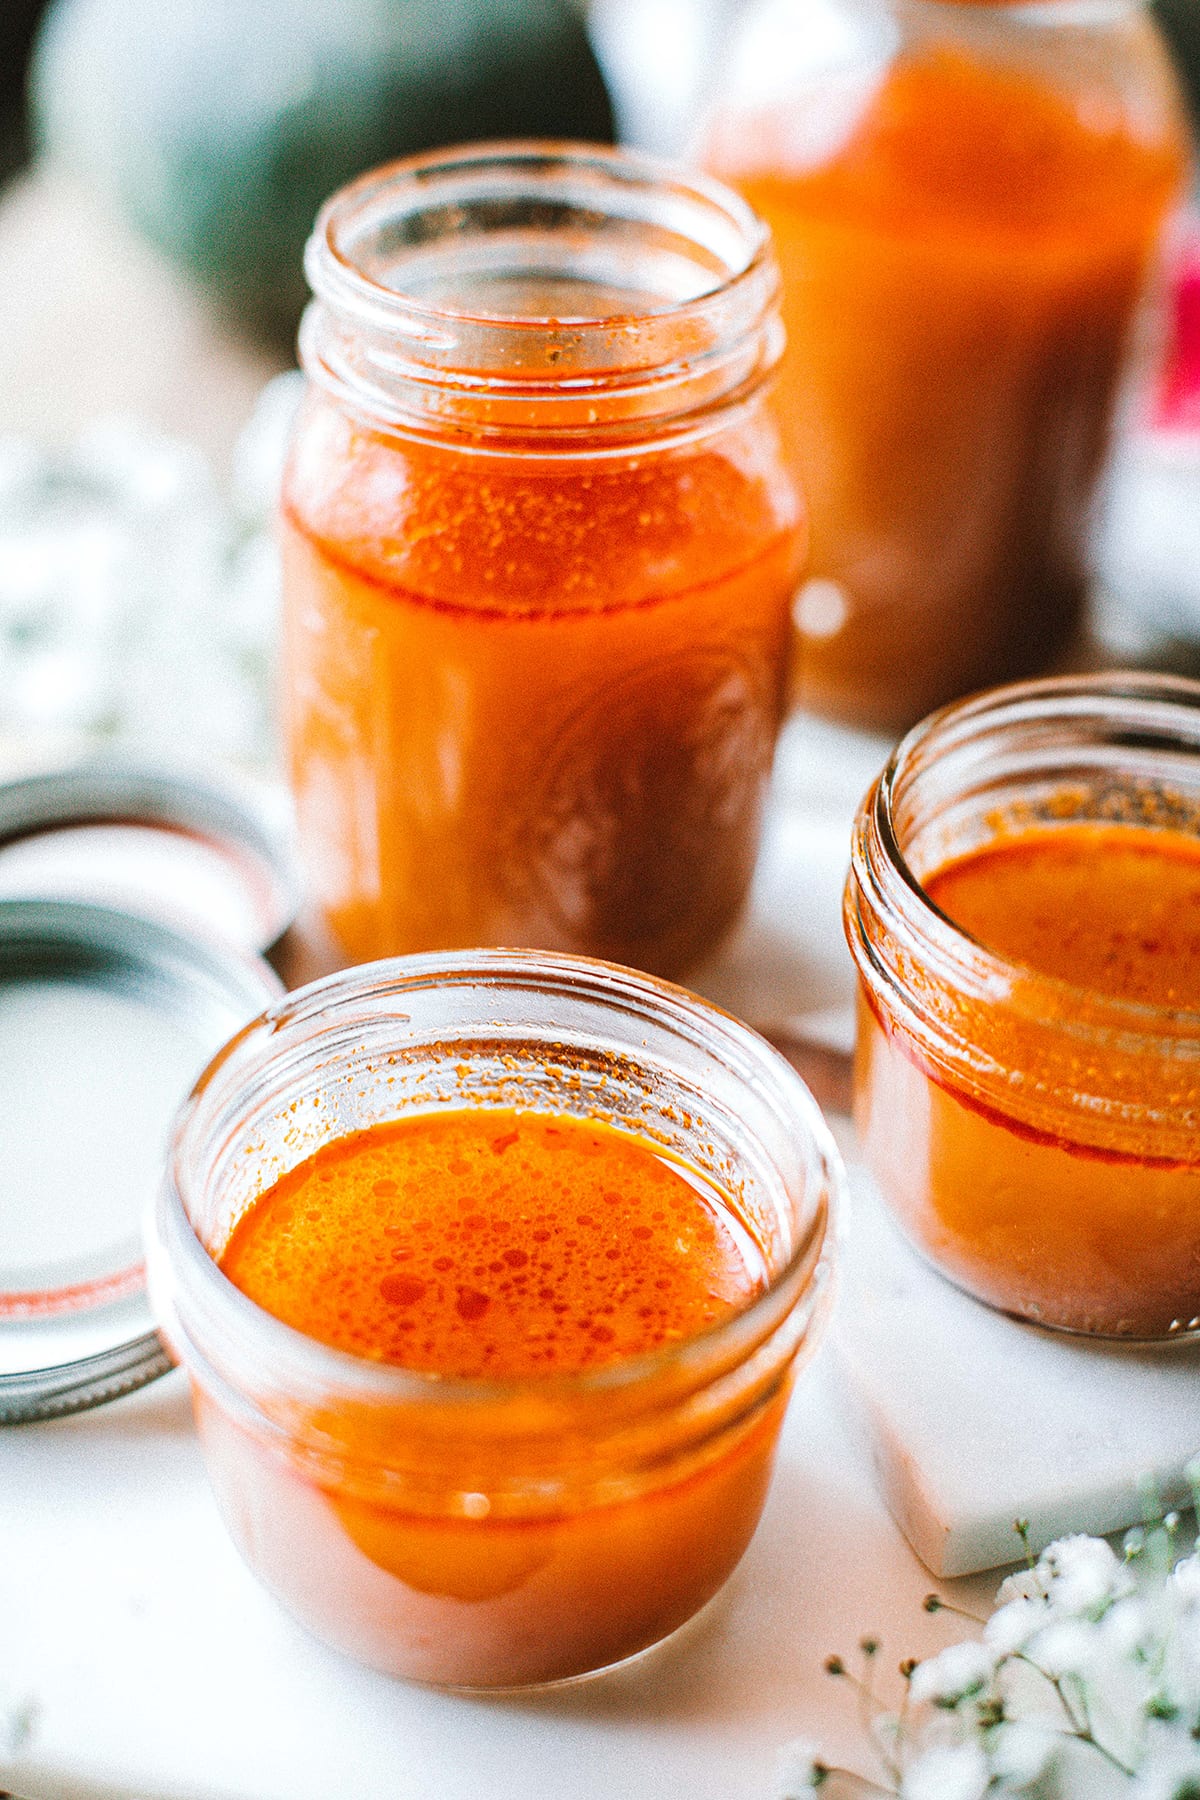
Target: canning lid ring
75,1322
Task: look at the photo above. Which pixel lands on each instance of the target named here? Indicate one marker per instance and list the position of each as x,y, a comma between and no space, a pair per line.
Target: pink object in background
1176,399
1146,605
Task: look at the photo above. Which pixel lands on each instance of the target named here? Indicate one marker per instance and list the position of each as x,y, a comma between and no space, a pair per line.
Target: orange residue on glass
533,699
43,1303
1086,1220
478,1243
961,271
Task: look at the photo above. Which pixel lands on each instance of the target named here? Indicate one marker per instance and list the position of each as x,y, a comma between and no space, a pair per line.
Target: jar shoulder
438,516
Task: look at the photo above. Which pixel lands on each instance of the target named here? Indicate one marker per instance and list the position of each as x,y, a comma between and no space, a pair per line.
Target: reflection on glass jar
1024,910
539,551
966,198
540,1522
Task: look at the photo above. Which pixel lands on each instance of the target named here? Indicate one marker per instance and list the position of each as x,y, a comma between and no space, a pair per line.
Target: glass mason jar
1037,1140
967,199
539,549
519,1530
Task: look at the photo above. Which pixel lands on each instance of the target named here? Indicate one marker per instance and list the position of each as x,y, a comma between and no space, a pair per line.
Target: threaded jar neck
566,293
498,1028
1113,749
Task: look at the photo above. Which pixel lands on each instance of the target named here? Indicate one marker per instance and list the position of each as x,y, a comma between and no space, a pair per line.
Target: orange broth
510,1246
493,1243
533,699
961,275
1089,1223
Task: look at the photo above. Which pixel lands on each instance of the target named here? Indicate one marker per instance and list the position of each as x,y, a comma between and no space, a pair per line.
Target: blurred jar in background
539,550
967,198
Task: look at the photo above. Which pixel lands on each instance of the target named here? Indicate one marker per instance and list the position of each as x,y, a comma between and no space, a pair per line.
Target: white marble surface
973,1421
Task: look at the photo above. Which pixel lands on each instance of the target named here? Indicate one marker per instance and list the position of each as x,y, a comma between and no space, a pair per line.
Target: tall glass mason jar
967,199
540,545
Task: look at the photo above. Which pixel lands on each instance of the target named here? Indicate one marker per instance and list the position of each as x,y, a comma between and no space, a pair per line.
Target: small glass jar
517,1531
967,199
539,550
1038,1141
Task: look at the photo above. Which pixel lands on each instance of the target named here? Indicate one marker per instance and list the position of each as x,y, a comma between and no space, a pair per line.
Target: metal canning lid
106,1020
196,852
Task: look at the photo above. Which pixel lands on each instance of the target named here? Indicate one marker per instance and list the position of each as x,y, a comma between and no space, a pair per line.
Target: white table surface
158,1667
155,1666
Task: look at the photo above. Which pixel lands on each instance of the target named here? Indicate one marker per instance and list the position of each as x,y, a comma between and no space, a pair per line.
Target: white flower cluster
138,603
1086,1685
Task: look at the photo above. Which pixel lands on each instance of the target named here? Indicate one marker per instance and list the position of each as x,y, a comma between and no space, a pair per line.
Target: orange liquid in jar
493,1244
1109,908
1090,1221
497,1245
961,272
531,699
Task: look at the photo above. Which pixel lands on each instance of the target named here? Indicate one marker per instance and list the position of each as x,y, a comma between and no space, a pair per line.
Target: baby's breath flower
1086,1687
1067,1647
1179,1678
1022,1584
1023,1753
1011,1627
799,1771
958,1673
1184,1580
1128,1630
1171,1772
1082,1576
947,1772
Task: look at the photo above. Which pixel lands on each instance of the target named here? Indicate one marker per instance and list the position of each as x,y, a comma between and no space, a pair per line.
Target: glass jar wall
967,199
523,1528
540,546
1027,1080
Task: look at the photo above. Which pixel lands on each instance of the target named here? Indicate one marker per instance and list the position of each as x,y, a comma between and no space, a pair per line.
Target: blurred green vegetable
18,23
219,126
1180,20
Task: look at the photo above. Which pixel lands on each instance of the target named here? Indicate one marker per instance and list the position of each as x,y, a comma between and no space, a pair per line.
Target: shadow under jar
539,550
526,1528
1027,1091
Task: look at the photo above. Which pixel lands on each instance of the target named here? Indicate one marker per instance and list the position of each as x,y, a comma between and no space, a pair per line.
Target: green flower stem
934,1603
1080,1728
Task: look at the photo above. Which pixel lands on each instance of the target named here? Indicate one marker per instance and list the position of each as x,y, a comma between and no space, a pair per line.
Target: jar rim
882,871
335,275
406,355
178,1259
